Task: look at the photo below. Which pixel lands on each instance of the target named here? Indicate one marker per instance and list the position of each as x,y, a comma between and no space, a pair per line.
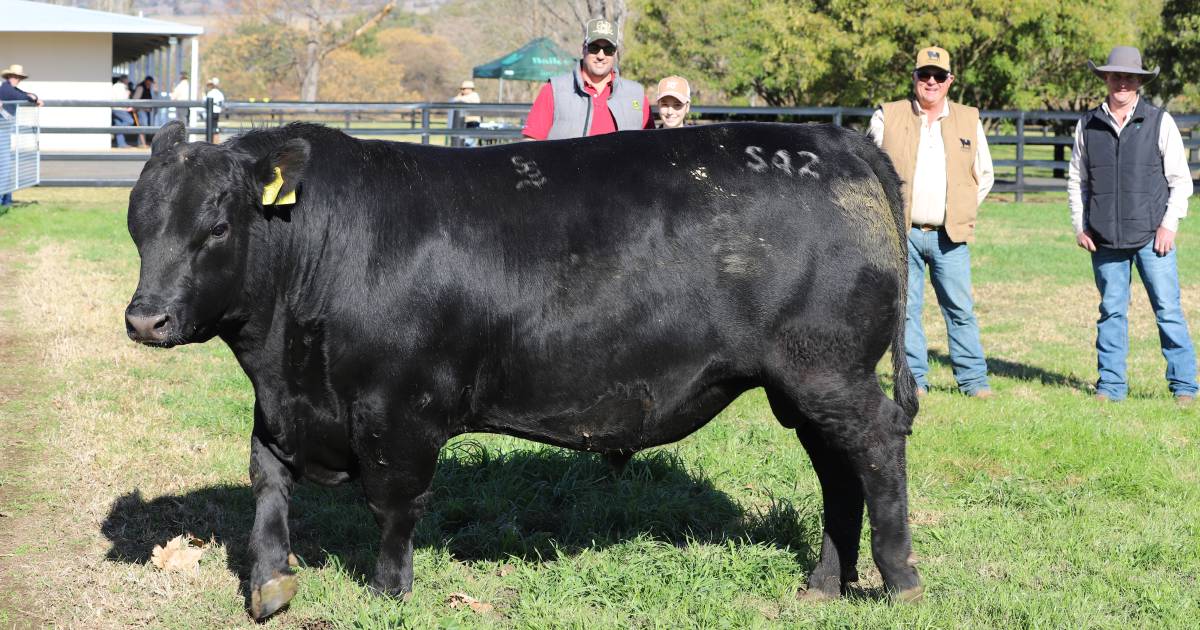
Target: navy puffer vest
1127,187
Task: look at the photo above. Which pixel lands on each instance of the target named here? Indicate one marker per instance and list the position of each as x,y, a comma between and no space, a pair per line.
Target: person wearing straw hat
592,99
674,102
1128,188
467,94
9,91
941,152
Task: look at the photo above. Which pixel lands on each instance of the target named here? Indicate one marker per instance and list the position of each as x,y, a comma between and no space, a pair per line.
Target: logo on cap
933,54
603,27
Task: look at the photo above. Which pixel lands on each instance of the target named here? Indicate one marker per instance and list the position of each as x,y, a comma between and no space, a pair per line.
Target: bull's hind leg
882,466
396,483
863,435
842,497
272,583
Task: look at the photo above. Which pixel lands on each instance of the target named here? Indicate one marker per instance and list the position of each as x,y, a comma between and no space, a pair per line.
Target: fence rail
1030,148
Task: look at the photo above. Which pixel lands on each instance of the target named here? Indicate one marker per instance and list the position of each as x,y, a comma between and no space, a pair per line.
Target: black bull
606,294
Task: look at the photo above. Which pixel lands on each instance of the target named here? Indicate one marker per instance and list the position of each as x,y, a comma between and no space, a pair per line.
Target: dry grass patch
90,463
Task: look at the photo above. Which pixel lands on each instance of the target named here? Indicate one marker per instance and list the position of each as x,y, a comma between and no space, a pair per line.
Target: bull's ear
281,172
171,134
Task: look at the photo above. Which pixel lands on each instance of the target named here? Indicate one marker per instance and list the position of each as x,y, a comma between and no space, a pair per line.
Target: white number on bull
531,176
800,166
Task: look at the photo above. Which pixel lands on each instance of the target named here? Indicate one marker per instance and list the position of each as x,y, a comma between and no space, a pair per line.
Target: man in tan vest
941,153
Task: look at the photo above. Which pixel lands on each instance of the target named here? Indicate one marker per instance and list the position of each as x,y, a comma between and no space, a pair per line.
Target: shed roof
132,36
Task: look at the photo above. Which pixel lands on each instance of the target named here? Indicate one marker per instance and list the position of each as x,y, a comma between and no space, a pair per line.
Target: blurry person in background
144,116
674,102
212,90
121,116
467,94
9,91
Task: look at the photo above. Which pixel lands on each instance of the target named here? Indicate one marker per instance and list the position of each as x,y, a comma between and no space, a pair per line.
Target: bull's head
191,215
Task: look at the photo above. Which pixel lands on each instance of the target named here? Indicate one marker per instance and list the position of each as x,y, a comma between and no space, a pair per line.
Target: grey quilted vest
1126,185
573,105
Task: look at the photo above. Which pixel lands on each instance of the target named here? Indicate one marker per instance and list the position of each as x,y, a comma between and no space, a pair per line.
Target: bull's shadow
529,504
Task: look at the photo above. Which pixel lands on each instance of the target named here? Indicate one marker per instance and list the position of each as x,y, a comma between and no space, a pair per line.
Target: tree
1177,50
1006,53
295,37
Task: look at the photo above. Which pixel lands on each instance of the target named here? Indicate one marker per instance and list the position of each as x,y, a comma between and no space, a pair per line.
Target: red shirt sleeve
646,124
541,115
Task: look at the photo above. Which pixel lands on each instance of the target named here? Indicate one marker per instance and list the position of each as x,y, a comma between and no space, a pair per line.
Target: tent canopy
538,60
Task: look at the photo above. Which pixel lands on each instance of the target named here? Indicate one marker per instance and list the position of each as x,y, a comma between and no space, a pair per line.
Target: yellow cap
933,56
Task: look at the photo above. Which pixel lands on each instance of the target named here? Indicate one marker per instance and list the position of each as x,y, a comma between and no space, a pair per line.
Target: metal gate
20,163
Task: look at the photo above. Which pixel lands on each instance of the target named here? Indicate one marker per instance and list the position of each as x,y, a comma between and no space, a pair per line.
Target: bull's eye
220,229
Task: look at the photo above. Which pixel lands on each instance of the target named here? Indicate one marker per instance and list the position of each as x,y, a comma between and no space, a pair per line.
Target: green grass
1039,508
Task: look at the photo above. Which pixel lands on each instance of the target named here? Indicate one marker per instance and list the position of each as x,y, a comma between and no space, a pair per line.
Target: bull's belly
616,421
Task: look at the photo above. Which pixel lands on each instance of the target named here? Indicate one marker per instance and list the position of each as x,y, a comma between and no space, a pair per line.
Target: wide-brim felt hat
1125,59
15,70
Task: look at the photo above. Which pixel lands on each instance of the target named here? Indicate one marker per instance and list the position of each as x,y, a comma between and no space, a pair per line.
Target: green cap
600,28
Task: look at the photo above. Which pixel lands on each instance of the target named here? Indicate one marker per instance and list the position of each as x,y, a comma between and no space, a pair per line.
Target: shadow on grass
1022,372
530,504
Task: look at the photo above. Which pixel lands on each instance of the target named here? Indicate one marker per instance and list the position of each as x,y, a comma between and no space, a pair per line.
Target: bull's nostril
148,327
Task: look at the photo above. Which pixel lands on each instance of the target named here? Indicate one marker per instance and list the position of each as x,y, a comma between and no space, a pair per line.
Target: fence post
209,124
837,117
1021,157
425,123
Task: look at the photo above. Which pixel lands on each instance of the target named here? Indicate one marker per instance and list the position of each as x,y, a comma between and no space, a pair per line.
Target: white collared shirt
1175,168
929,176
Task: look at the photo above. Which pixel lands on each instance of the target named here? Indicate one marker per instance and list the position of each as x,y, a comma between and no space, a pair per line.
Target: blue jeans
121,118
949,266
1161,277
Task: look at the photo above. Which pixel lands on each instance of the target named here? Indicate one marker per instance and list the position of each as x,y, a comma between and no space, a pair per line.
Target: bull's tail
905,386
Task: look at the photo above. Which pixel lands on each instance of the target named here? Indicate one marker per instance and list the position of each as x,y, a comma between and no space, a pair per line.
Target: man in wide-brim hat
9,91
1128,188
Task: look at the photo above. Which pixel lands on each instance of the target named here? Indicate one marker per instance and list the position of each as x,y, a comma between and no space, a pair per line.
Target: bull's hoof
267,599
911,595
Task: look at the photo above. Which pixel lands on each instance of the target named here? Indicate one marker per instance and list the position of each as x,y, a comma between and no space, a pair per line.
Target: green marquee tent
538,60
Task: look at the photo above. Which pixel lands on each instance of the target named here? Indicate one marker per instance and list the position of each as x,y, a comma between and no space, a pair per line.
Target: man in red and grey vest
591,100
1128,187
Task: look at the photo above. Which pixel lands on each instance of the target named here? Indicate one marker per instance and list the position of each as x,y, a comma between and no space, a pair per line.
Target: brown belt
926,227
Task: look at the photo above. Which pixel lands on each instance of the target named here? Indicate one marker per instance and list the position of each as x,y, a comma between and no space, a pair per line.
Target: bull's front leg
272,582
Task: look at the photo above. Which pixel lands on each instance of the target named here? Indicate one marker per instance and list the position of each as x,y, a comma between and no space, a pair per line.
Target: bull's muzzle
153,329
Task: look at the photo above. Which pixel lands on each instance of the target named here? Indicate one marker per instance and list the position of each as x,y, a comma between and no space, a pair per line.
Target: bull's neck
287,279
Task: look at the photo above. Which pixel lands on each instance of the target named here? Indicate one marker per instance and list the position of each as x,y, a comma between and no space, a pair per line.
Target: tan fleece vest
902,133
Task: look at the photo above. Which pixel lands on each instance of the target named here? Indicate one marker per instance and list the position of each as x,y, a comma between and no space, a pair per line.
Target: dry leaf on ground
505,569
457,600
180,555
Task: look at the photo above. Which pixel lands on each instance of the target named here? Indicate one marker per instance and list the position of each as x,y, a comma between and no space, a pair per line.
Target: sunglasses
594,48
938,75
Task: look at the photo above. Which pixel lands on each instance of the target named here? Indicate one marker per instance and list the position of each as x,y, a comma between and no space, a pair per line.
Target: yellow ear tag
271,191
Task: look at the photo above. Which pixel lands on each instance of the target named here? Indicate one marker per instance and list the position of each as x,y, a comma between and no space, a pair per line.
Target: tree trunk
311,77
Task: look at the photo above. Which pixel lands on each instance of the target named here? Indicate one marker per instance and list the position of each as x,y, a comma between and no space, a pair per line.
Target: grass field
1039,508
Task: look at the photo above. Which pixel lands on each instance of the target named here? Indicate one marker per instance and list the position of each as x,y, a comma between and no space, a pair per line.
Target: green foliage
1177,50
1005,53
